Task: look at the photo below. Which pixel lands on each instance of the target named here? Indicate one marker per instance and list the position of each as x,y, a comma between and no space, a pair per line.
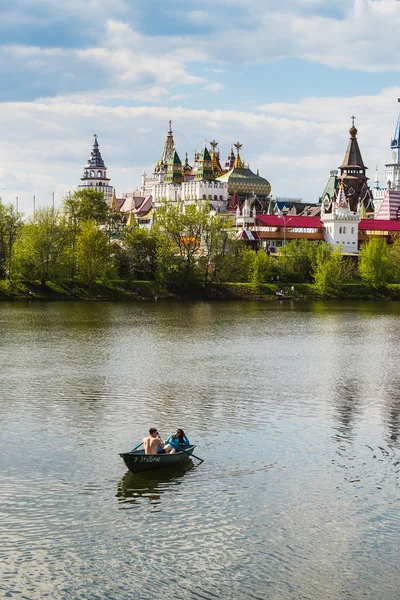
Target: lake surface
294,407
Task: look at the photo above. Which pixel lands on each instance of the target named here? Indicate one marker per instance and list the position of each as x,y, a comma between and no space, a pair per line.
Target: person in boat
175,441
153,443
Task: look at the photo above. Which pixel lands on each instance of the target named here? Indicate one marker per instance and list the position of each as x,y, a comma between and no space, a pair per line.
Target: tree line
187,251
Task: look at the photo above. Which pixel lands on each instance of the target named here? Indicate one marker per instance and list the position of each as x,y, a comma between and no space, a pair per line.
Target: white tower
341,225
392,170
95,174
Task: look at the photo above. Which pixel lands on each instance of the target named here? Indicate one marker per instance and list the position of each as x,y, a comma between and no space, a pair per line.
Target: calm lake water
294,407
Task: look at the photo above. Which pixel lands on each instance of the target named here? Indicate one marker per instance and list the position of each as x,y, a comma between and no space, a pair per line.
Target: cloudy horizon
284,81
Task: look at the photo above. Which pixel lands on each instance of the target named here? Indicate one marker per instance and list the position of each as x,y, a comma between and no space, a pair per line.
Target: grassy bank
117,290
148,290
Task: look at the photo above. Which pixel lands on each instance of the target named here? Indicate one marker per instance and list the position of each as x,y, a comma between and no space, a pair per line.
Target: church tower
353,174
95,173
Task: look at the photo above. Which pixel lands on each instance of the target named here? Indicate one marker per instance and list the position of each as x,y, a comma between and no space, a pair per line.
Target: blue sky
282,78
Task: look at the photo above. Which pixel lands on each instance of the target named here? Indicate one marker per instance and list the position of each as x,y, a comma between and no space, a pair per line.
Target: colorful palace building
347,214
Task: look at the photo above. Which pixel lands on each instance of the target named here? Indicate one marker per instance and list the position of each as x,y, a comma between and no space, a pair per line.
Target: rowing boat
137,461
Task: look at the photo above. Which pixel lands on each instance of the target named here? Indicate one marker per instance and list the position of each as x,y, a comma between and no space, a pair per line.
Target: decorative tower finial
238,161
353,130
213,145
170,126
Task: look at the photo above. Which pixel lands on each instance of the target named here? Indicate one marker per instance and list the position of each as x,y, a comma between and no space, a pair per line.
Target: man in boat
153,443
175,440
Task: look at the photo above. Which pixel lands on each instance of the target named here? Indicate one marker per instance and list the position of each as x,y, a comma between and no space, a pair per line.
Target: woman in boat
175,440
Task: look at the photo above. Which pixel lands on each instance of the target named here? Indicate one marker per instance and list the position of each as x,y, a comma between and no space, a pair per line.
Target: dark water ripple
295,409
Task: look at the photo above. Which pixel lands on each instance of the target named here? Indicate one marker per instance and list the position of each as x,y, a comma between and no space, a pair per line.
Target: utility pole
16,203
53,199
34,206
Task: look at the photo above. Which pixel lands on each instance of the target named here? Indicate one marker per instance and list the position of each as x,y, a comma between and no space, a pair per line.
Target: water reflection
295,408
151,485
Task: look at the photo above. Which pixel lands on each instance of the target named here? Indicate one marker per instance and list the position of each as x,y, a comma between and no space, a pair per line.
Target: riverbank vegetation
82,251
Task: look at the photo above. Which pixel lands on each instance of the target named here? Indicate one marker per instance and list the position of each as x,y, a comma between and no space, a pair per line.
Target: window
91,173
99,173
340,230
352,231
344,229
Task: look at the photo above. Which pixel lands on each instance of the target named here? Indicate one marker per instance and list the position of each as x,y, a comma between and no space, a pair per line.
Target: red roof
378,225
290,221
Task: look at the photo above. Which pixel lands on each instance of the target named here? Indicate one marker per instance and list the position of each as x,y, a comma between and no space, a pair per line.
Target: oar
136,447
194,456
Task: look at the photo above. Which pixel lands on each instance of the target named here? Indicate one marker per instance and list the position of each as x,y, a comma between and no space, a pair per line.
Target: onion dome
242,180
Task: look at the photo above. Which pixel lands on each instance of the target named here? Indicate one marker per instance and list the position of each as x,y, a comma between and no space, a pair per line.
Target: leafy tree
218,245
194,247
94,259
180,230
10,225
298,260
43,250
87,204
140,252
260,268
331,271
376,263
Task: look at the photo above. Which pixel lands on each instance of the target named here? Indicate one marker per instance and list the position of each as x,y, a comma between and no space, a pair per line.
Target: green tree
298,260
377,263
43,250
87,204
10,225
180,230
139,249
218,245
194,248
331,271
260,268
94,259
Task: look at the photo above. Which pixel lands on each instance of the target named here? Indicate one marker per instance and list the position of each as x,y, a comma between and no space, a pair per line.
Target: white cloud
214,87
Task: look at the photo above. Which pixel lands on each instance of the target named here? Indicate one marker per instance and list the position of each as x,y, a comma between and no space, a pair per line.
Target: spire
186,167
238,161
376,186
216,167
395,142
169,146
270,210
341,201
114,206
230,161
353,156
95,160
131,222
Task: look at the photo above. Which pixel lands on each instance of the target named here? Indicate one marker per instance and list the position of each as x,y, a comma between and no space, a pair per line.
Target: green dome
245,182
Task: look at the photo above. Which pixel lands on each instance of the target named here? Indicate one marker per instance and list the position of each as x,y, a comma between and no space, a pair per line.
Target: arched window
91,173
99,174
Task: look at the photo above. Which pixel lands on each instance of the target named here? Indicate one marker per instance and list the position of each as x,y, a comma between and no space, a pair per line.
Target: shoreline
147,291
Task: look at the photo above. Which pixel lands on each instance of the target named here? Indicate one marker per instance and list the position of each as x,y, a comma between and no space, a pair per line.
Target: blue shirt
175,443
